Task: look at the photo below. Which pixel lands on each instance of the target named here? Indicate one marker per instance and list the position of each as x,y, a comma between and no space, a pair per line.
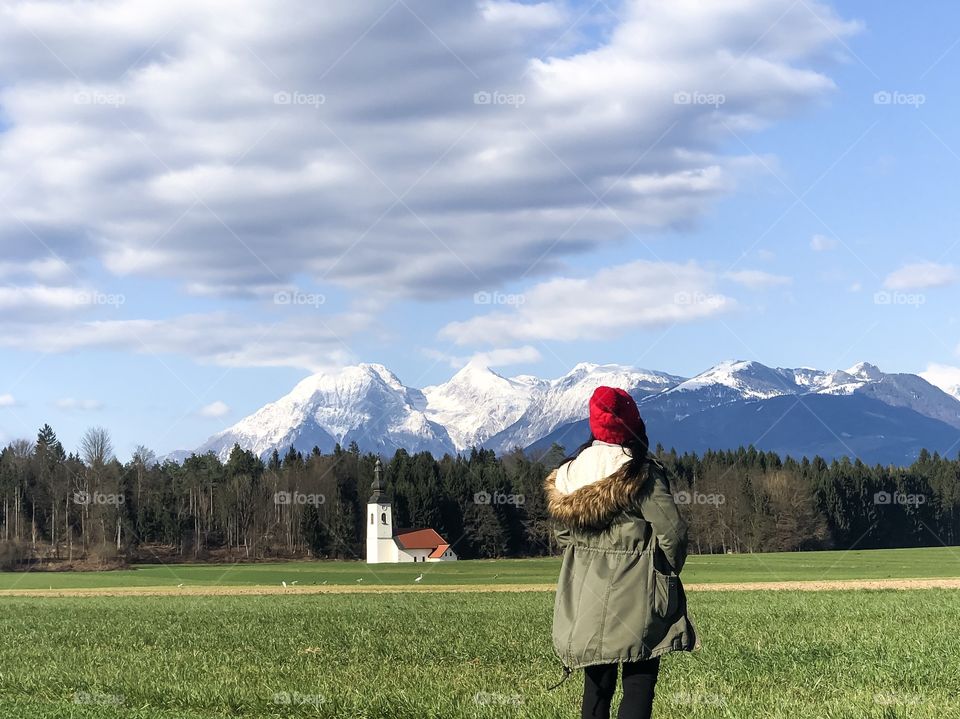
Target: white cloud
921,275
288,141
758,279
214,410
71,404
943,376
7,400
610,302
216,338
822,243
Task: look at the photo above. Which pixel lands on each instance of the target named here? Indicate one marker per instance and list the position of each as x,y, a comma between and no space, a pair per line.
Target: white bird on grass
179,585
294,582
360,580
284,584
419,578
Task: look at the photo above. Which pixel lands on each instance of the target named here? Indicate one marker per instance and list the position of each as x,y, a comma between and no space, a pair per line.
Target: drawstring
567,671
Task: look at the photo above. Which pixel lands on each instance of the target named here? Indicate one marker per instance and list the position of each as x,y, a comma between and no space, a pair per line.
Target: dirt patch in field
253,590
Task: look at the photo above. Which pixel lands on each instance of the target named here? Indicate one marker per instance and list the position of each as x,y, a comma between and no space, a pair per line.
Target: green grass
832,655
868,564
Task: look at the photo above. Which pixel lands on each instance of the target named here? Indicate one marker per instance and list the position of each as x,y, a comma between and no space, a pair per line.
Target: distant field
796,566
830,655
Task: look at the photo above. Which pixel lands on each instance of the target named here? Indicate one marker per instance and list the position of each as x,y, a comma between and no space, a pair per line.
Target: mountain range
858,412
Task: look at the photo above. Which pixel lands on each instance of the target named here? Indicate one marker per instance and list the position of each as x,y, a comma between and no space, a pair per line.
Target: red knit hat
614,416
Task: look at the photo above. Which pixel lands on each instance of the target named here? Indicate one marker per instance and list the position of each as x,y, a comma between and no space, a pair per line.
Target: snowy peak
865,371
745,379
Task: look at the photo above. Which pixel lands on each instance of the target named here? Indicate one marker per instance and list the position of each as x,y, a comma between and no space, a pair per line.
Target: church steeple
379,495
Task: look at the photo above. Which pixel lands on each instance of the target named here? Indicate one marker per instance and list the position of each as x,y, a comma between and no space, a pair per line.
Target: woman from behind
619,598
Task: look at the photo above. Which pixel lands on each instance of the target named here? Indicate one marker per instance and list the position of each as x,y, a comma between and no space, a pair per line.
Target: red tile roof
438,552
419,539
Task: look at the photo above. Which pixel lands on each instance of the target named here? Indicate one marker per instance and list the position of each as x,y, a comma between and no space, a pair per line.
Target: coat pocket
665,595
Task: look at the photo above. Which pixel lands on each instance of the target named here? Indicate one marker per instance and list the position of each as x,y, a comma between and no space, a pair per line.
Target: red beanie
614,416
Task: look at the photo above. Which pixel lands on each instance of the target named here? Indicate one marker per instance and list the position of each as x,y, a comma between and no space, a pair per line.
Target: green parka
619,596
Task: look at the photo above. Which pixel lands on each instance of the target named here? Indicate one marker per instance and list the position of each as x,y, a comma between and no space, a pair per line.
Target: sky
203,202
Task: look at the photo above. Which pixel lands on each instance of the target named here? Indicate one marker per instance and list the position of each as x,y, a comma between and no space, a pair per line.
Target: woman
619,597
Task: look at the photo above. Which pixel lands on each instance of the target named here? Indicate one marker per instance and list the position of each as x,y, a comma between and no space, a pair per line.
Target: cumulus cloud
758,279
216,338
413,149
921,275
7,400
214,410
946,377
604,305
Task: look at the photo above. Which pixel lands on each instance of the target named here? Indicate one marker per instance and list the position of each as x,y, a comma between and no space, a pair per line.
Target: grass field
794,566
834,654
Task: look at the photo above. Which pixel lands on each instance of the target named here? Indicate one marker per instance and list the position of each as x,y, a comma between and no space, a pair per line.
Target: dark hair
637,447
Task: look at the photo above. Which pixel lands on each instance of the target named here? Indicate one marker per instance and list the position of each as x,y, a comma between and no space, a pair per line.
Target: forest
87,509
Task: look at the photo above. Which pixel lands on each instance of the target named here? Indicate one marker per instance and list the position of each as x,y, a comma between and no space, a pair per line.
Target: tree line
87,508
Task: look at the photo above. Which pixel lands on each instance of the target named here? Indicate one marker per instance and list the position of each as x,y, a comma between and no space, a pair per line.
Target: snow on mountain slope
738,379
565,399
366,403
476,403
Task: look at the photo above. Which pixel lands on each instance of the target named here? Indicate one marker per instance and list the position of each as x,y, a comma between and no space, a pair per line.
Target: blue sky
148,177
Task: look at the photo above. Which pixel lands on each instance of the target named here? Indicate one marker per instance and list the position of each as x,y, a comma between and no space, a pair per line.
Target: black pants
600,682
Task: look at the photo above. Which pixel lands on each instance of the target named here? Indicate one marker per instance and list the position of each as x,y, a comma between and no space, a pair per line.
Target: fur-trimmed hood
591,490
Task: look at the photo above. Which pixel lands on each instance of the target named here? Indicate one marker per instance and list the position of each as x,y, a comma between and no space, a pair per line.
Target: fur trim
595,505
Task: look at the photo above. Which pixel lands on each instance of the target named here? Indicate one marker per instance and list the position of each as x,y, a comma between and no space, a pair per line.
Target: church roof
438,552
419,539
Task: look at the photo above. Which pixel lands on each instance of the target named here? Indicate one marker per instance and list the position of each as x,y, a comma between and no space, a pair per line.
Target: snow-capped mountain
564,400
476,403
886,416
365,403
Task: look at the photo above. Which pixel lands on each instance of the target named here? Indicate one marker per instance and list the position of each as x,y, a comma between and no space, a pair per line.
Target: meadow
830,654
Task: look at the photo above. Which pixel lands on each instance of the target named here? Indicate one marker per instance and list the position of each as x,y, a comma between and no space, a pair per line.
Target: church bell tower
380,544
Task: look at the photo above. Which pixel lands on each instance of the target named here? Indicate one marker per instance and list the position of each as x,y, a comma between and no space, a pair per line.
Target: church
386,546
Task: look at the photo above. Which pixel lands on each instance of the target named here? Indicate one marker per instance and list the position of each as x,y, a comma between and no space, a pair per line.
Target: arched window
371,517
383,518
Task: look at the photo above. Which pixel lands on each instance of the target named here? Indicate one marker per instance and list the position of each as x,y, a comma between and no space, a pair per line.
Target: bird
419,578
179,585
294,582
360,580
324,581
284,584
